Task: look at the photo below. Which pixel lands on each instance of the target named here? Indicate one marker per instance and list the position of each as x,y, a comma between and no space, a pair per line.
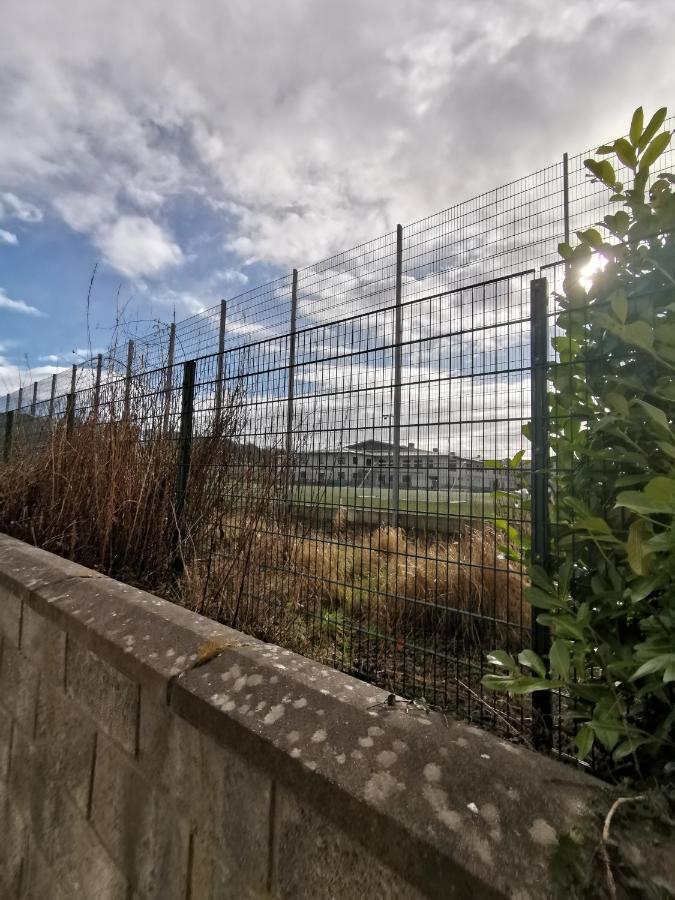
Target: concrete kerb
454,810
147,639
442,802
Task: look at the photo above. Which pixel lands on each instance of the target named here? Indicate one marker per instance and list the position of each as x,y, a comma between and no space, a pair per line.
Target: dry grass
418,581
100,495
370,601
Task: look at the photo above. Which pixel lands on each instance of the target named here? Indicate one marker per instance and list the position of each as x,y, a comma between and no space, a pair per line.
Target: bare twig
604,852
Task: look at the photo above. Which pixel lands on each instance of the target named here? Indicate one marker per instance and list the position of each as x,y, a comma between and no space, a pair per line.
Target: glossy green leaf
654,150
655,414
502,658
634,546
639,333
655,664
619,304
560,658
625,152
655,123
584,740
637,126
532,661
629,746
540,599
602,169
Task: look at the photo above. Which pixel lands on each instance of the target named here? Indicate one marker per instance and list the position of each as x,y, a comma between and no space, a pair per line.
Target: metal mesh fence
349,476
512,228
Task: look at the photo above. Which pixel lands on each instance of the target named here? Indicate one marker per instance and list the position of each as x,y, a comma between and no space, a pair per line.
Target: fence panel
358,482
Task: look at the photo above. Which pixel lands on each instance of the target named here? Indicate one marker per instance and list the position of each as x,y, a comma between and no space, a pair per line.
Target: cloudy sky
193,150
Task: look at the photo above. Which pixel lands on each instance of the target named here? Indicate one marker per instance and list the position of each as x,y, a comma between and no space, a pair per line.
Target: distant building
370,463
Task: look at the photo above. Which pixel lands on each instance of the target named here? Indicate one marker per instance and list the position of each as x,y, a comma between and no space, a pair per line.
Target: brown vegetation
363,599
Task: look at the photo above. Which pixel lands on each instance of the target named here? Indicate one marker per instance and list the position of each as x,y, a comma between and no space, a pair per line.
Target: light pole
389,417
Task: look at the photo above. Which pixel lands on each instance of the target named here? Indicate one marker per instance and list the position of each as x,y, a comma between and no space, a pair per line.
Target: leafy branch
608,596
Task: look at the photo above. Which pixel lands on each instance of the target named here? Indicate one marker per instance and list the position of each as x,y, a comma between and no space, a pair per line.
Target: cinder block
5,743
225,797
34,795
78,859
18,687
38,879
13,838
65,739
213,879
110,697
140,827
315,861
10,616
44,644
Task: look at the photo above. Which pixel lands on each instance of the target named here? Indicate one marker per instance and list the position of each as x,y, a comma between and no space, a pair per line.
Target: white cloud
389,112
136,246
79,354
86,211
230,276
7,237
14,207
13,376
18,306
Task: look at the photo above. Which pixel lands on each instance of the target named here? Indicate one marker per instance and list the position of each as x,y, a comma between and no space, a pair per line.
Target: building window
369,461
341,476
355,460
405,479
340,460
303,476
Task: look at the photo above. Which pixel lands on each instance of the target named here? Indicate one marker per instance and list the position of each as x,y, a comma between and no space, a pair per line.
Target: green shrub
608,595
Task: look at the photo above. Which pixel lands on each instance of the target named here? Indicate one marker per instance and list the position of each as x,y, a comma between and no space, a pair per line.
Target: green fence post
184,455
541,638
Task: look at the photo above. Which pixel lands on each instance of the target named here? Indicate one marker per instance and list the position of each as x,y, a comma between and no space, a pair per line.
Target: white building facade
370,464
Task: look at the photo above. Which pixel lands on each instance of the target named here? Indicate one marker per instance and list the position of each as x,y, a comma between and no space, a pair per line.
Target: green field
429,502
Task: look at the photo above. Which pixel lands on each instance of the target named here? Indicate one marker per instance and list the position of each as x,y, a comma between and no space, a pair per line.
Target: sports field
430,502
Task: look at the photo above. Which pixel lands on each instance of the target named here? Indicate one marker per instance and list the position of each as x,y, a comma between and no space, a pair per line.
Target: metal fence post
5,452
168,378
398,339
220,363
33,403
541,639
52,397
97,384
127,381
9,427
566,197
184,455
566,205
291,367
70,414
70,403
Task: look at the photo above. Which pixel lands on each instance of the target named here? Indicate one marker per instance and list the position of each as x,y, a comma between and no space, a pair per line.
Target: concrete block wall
147,752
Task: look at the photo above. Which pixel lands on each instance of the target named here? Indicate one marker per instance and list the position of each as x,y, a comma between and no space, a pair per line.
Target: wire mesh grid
358,482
